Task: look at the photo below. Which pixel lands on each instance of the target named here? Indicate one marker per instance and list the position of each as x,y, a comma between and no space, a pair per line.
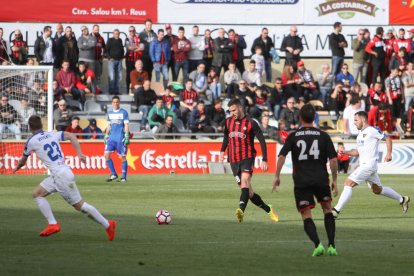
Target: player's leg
356,178
65,184
109,148
122,150
375,184
39,194
305,203
244,196
324,197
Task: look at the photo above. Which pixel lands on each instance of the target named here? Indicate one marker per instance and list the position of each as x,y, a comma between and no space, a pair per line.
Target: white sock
46,210
389,192
94,214
343,199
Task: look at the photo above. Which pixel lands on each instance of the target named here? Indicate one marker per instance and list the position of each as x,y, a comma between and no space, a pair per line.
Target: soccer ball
163,217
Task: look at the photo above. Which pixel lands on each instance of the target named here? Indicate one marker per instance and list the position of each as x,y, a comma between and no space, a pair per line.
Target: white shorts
365,174
64,183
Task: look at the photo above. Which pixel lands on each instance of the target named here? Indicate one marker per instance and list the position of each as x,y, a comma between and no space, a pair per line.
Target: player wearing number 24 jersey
46,146
311,149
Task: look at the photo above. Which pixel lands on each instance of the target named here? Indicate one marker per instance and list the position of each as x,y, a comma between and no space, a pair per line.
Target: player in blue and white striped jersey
117,138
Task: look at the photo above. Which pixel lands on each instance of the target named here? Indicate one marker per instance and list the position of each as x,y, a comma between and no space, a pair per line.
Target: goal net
24,91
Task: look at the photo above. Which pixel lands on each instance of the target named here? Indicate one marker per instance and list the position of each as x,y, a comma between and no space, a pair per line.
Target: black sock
310,229
330,228
244,198
257,200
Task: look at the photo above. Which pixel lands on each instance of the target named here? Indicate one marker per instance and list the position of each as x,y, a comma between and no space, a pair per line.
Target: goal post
29,91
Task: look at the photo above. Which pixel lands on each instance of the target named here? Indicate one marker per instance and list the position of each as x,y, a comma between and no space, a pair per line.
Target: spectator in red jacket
66,79
376,48
343,159
401,41
380,116
19,49
181,46
377,94
75,128
85,79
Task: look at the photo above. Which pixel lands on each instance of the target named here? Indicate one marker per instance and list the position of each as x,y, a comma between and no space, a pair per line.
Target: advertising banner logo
401,12
93,11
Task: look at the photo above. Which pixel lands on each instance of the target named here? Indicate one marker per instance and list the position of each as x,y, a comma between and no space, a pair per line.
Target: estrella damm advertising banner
144,157
401,12
84,11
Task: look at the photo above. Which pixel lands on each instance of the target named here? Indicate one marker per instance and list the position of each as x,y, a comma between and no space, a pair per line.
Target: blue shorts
117,146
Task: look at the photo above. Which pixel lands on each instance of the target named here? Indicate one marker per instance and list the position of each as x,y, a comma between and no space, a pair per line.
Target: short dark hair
116,97
160,31
46,28
278,79
218,100
200,102
82,63
379,30
307,113
159,99
35,123
188,80
401,29
252,61
230,30
147,20
362,114
171,116
337,24
354,99
181,28
234,102
65,60
382,106
75,118
340,143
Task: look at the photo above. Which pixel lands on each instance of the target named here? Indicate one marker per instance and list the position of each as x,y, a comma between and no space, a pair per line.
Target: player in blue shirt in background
117,138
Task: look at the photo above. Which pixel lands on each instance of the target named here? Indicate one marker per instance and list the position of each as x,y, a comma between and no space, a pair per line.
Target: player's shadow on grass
186,247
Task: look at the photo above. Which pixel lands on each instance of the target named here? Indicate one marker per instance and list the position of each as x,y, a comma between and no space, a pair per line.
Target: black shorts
244,166
304,196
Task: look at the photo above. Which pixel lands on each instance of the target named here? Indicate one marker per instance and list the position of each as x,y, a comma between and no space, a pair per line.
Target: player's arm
279,166
22,163
352,152
259,134
125,141
225,143
67,136
388,142
333,164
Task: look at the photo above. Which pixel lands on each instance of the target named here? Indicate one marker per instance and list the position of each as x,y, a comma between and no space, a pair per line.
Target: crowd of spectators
381,81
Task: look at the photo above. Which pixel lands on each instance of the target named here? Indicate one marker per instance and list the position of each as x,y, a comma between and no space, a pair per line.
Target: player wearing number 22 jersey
311,149
61,179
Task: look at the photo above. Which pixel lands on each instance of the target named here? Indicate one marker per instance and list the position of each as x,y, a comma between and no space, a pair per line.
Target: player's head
360,119
236,108
115,102
35,123
307,114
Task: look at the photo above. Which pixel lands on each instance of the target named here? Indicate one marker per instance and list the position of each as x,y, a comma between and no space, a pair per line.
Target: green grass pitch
373,236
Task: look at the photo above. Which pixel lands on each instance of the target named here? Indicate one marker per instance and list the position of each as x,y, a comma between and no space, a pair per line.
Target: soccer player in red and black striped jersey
311,149
239,133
